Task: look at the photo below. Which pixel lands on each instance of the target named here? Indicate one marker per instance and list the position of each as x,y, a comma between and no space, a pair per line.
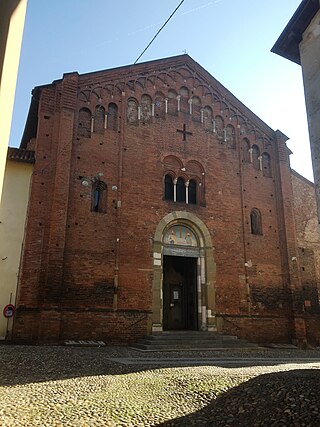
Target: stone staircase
191,340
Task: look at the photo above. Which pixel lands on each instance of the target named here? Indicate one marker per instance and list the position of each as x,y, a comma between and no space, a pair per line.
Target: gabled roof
287,44
128,72
166,64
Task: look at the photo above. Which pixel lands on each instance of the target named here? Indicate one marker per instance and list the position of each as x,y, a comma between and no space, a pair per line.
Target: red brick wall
262,329
77,261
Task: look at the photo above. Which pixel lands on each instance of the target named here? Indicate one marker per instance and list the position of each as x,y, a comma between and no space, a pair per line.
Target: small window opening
256,224
99,191
168,188
192,192
181,190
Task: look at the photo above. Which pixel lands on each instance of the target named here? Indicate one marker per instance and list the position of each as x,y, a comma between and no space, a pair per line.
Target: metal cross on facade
184,132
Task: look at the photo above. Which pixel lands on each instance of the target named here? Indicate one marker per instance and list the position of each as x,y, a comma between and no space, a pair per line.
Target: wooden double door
179,293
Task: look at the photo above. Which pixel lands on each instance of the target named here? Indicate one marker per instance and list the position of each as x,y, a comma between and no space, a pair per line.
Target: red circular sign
8,311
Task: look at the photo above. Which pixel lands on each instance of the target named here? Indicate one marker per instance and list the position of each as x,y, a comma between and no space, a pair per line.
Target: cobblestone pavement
68,386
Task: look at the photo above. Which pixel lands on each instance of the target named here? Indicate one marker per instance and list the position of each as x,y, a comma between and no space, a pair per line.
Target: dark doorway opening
179,293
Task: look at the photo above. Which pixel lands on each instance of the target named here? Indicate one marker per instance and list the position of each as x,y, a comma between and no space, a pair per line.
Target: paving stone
79,386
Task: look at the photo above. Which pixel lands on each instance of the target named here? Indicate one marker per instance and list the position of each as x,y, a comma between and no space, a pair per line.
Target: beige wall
308,262
310,54
13,210
12,15
307,226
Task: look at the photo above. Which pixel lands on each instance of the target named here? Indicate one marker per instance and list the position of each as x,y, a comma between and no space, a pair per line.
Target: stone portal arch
200,248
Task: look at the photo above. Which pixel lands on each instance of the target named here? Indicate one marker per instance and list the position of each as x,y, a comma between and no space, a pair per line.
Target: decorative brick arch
206,270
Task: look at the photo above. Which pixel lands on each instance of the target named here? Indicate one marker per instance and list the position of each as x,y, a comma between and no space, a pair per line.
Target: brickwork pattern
77,261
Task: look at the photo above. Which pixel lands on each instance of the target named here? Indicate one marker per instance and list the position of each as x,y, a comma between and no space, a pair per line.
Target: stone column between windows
250,154
187,191
175,190
178,99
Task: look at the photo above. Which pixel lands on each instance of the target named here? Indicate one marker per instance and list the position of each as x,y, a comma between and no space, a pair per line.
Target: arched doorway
184,274
180,276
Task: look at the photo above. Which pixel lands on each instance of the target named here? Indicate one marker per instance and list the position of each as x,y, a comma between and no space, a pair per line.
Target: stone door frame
206,270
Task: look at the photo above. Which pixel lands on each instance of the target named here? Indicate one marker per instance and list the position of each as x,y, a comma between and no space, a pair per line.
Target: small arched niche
184,99
172,102
99,119
84,123
112,116
246,152
146,108
132,111
255,157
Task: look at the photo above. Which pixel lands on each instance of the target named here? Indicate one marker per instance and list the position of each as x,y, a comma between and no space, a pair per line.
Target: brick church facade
158,202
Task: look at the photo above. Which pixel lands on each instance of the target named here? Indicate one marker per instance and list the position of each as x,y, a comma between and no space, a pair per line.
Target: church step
192,336
194,346
184,346
190,340
195,342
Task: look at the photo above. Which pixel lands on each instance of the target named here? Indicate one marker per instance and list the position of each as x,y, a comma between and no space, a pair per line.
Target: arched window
255,221
246,148
99,197
192,192
84,123
112,116
181,190
132,111
168,188
266,165
255,157
99,118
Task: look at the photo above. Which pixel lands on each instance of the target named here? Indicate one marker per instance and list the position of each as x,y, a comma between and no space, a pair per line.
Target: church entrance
179,293
184,270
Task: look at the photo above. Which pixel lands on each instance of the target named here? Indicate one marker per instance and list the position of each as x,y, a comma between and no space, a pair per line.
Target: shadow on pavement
32,364
288,398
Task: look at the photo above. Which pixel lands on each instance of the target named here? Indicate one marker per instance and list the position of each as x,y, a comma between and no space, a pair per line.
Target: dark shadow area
31,364
288,398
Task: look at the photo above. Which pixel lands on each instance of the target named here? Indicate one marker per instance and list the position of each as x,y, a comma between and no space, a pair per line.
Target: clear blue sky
229,38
